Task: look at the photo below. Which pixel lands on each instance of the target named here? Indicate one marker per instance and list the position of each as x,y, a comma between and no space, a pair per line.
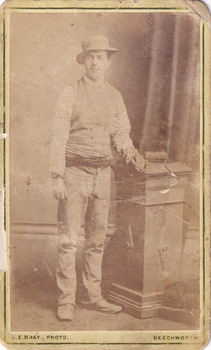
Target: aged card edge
205,184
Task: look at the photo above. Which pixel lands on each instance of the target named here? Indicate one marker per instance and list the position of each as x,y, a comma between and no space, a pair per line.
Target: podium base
135,303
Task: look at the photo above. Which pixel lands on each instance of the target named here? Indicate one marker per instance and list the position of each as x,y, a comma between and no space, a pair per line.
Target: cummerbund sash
91,145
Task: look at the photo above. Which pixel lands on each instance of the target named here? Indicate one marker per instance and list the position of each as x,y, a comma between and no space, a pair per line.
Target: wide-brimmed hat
96,43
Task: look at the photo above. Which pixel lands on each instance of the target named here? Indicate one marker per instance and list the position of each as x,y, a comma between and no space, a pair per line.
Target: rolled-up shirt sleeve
120,130
60,131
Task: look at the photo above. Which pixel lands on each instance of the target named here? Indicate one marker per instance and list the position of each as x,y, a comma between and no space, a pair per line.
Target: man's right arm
60,134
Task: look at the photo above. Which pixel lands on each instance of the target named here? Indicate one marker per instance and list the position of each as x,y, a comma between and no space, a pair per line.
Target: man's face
96,63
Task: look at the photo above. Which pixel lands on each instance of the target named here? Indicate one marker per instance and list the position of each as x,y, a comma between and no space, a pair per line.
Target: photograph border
191,337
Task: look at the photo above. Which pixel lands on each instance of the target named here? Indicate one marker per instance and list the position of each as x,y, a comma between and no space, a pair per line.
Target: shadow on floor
34,299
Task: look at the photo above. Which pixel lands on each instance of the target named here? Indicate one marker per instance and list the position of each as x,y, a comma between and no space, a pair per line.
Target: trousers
88,199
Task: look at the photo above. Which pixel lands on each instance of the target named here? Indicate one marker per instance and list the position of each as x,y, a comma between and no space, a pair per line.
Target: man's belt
95,162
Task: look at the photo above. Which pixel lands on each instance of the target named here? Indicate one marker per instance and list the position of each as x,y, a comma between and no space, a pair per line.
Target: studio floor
33,293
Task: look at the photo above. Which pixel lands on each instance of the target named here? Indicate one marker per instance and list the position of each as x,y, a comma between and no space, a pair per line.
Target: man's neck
99,81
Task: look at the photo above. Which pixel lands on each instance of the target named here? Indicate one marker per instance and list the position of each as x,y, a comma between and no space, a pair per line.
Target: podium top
152,169
167,168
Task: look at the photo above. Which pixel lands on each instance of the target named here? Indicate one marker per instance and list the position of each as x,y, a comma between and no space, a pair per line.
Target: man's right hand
59,190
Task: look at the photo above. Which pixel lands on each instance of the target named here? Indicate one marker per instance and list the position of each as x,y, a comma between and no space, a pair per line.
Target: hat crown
97,42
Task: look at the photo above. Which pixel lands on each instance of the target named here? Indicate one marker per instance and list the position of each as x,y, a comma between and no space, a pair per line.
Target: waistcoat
89,139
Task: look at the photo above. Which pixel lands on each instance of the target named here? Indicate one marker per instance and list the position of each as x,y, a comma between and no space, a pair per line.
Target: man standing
90,117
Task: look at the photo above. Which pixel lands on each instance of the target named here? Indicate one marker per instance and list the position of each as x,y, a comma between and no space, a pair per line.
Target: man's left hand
138,161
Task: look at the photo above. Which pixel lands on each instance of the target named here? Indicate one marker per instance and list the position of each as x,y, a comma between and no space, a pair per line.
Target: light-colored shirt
118,122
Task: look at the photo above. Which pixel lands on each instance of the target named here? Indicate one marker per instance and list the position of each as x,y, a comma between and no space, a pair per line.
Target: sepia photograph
104,174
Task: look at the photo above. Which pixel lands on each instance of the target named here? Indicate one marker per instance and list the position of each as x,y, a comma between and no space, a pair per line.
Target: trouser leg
70,217
95,233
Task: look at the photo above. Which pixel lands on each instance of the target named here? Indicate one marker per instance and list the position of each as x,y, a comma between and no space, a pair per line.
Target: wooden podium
147,244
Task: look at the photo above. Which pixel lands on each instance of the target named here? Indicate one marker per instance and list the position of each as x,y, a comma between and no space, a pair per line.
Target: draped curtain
172,114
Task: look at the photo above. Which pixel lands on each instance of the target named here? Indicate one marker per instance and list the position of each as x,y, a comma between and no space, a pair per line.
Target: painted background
43,47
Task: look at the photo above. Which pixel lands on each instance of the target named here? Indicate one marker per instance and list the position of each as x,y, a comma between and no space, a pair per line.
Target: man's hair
109,54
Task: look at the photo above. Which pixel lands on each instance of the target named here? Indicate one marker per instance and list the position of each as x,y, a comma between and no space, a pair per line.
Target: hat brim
81,56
